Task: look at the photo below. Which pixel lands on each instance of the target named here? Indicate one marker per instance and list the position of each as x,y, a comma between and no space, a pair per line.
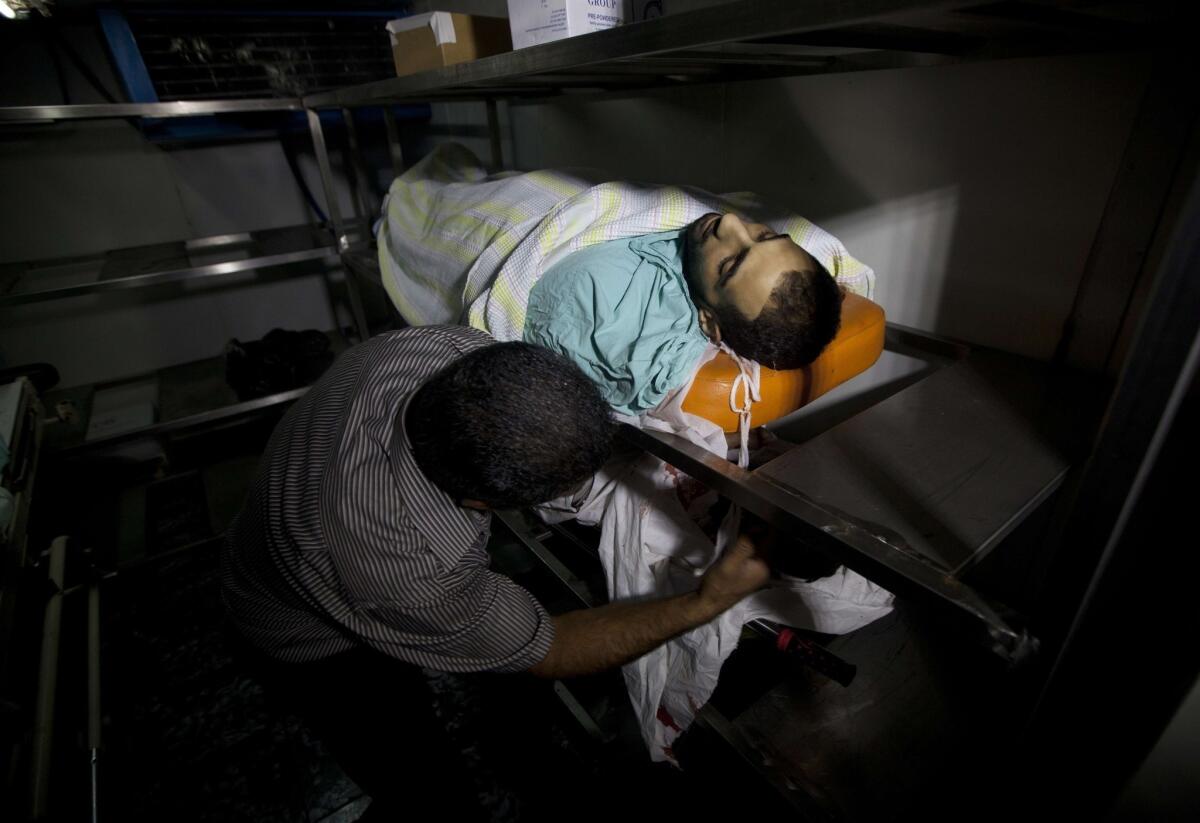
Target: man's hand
592,640
740,571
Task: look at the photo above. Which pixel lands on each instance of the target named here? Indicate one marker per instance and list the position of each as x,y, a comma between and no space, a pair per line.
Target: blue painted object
131,69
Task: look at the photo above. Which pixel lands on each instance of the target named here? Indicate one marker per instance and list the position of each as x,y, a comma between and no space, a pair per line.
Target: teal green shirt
621,311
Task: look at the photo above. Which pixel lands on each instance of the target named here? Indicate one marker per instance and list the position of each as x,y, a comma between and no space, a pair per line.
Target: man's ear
709,324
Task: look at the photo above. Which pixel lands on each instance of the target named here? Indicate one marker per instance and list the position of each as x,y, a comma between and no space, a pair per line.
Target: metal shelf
188,396
152,265
909,505
756,39
182,108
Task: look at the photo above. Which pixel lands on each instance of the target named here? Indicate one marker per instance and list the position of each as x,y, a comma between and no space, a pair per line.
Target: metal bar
581,715
922,345
1126,537
1019,516
219,240
332,207
1132,216
358,175
361,259
43,730
516,525
493,119
25,452
590,551
335,217
140,564
1142,406
565,576
223,414
94,712
899,572
611,77
102,111
393,140
711,26
357,309
138,281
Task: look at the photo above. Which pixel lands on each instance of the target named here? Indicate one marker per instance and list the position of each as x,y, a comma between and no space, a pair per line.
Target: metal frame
106,111
1159,373
225,414
1122,251
493,121
869,555
17,116
357,175
338,225
708,45
95,721
137,281
47,688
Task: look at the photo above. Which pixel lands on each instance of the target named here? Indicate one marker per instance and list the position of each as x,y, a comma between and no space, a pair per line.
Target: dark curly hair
509,425
800,318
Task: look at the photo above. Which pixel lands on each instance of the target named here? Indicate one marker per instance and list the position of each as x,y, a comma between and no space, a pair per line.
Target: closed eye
728,267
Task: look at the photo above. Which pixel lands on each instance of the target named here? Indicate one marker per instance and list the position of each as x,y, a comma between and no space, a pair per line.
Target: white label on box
594,15
542,21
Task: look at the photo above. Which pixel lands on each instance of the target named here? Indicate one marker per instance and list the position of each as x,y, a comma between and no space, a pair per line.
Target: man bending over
359,555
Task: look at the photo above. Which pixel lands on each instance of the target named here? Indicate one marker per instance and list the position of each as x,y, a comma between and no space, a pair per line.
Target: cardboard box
543,21
441,38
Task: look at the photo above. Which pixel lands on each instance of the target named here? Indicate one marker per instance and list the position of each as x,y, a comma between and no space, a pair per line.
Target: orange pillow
856,347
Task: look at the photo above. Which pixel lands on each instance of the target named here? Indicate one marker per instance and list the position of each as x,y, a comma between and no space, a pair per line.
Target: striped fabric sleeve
482,621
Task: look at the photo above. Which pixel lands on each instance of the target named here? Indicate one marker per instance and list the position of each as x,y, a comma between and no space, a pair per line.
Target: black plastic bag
281,361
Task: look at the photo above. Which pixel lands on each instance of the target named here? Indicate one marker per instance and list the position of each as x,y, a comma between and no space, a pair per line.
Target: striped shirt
343,542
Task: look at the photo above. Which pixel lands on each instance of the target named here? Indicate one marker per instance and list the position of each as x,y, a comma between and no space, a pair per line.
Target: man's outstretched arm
592,640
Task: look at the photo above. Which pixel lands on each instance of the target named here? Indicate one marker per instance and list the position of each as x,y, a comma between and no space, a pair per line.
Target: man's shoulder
452,340
418,351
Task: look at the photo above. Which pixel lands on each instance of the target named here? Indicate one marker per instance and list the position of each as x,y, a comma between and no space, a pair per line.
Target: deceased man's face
739,264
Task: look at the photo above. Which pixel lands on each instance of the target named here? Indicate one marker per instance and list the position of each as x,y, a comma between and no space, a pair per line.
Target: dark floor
193,738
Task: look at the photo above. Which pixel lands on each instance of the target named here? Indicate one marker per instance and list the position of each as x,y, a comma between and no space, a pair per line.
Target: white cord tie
748,382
